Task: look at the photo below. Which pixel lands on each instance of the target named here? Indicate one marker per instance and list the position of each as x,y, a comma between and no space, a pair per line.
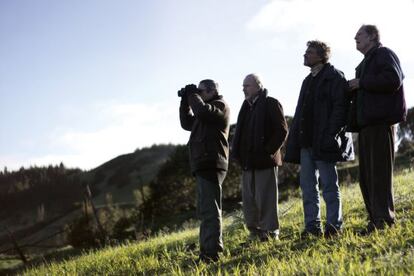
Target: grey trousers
209,205
260,200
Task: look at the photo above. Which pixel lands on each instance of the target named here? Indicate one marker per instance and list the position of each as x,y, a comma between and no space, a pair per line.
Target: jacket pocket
351,120
330,143
197,148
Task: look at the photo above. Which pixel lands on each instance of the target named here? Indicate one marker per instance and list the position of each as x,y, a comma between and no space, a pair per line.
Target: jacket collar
262,94
372,50
215,98
367,57
327,72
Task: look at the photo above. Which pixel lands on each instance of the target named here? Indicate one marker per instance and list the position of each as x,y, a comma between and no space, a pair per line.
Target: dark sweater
260,132
330,143
307,119
380,99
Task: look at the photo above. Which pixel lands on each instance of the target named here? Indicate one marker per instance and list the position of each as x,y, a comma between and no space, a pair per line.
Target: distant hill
35,198
122,175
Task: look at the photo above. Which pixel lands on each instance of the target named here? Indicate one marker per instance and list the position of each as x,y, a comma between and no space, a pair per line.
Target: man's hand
191,88
353,84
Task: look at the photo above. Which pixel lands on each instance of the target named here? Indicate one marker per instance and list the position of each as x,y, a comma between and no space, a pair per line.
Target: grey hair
372,30
256,78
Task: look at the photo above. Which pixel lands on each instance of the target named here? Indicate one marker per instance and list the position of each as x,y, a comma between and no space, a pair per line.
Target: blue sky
82,82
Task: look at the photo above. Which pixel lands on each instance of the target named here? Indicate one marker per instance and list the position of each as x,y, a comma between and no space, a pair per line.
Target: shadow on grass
38,260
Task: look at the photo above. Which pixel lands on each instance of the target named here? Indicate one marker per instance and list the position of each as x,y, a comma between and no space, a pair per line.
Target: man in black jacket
378,101
260,133
317,139
204,112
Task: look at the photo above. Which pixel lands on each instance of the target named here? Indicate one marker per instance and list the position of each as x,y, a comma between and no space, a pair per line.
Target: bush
123,230
82,234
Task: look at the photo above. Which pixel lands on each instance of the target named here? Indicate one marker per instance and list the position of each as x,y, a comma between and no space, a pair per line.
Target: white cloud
282,28
336,21
127,127
408,88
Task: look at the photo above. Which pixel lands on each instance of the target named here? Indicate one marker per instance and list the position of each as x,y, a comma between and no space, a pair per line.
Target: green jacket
209,126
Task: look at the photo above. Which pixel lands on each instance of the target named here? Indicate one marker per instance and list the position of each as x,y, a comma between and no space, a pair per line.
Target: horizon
84,82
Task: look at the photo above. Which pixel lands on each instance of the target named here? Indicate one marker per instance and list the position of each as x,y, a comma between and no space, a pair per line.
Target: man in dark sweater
317,139
204,112
260,133
378,97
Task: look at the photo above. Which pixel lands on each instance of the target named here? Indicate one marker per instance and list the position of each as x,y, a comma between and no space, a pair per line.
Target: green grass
386,252
7,262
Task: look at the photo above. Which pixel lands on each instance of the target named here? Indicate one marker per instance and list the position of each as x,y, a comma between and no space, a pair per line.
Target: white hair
256,78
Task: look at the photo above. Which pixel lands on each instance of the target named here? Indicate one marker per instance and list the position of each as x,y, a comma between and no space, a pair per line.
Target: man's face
364,42
250,88
204,93
311,57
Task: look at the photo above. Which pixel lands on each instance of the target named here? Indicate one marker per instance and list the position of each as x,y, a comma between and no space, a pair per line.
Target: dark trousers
209,206
376,162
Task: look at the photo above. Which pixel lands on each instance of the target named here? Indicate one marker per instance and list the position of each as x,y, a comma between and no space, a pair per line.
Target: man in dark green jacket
204,112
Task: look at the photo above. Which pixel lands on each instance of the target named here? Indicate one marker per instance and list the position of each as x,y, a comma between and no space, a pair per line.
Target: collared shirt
252,102
316,69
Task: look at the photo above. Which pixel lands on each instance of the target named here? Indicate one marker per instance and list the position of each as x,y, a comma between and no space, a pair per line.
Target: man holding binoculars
204,112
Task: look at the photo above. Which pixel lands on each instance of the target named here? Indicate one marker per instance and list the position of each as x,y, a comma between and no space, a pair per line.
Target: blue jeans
310,171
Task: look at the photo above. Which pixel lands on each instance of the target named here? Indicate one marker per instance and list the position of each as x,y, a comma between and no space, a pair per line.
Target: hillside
123,174
389,251
59,192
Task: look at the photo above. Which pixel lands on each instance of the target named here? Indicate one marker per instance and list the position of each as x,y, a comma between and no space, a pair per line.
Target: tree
406,133
406,129
173,189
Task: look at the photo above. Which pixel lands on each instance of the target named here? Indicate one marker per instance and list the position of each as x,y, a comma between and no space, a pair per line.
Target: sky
83,81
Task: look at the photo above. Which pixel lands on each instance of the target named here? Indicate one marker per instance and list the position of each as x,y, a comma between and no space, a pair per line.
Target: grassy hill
387,252
122,175
116,179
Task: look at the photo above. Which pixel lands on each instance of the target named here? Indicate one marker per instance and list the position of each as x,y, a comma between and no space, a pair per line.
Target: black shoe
307,233
249,242
332,232
254,236
207,258
190,247
371,227
367,230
